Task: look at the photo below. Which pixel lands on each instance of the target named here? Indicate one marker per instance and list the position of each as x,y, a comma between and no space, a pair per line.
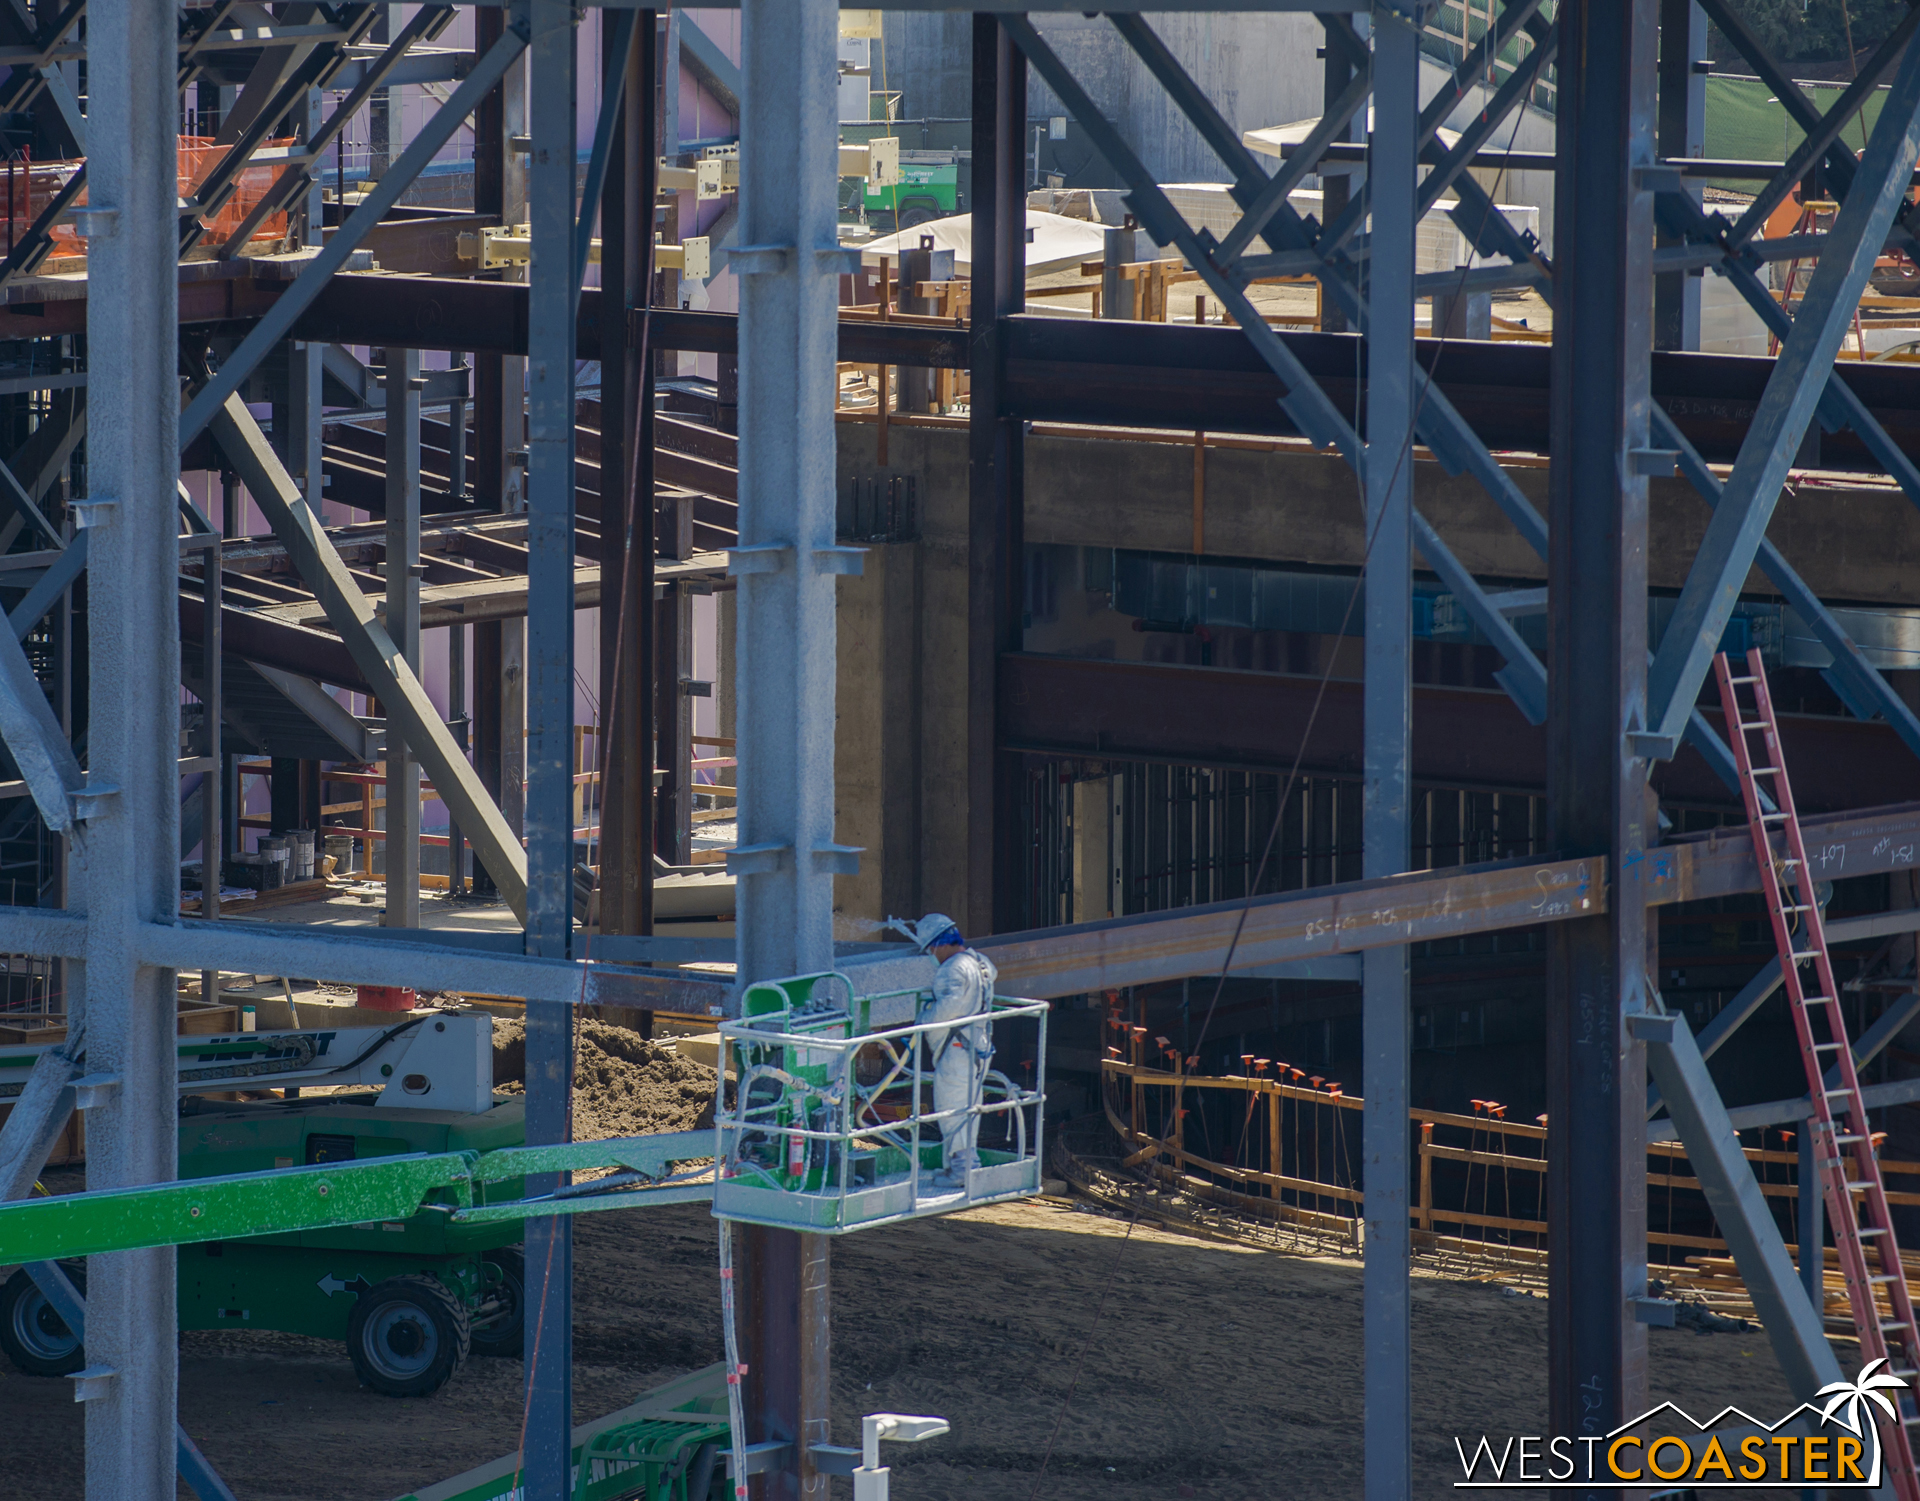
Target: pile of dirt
623,1084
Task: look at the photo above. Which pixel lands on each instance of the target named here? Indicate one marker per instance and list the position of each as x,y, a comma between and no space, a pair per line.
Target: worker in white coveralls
962,987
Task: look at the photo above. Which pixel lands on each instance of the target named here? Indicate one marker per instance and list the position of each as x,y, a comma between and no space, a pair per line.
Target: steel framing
1608,714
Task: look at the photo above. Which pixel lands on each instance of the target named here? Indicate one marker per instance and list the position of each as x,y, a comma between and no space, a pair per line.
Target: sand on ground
1193,1367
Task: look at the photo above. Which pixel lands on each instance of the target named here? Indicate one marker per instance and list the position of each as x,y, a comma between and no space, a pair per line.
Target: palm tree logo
1852,1396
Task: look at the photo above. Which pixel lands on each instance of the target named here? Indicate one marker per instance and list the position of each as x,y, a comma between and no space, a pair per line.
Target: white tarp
1271,140
1054,242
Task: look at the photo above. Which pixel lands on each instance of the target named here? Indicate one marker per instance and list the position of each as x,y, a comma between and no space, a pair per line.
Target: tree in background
1811,31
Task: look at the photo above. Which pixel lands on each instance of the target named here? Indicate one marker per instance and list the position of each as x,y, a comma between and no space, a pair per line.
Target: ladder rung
1886,1324
1773,818
1817,1000
1802,955
1864,1231
1884,1277
1797,908
1753,724
1836,1094
1831,1047
1743,680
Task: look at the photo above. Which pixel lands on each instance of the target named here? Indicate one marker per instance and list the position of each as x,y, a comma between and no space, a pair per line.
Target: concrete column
131,841
1092,849
403,384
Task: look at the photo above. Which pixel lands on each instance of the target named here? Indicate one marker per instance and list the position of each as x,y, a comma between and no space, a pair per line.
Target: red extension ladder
1856,1195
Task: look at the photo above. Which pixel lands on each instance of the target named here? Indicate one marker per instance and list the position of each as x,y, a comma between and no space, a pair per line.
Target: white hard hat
928,931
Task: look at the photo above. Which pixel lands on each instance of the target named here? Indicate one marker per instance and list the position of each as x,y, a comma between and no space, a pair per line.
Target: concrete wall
878,740
900,747
903,704
1287,504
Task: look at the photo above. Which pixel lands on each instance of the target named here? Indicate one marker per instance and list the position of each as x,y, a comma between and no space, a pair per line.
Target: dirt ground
1214,1371
624,1085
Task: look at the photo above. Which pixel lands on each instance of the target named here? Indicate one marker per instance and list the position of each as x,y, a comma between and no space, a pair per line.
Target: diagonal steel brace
1738,525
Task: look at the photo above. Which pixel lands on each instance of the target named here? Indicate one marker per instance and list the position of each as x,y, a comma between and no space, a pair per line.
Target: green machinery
831,1128
412,1286
668,1446
387,1215
884,185
927,190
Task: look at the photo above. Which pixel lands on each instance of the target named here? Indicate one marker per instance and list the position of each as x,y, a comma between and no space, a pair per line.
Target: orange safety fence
26,187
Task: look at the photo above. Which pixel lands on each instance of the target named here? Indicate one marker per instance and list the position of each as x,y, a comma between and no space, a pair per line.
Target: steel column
627,508
1335,187
499,431
549,680
788,260
213,840
1386,469
672,645
131,843
403,383
996,475
1598,803
1812,1227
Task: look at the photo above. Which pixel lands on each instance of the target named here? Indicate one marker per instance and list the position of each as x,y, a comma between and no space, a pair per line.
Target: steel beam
1463,737
1598,804
1387,782
1815,144
1153,375
132,850
616,43
1306,403
1796,1331
33,736
346,239
1490,231
426,23
1739,523
373,651
1841,164
1862,682
1449,162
